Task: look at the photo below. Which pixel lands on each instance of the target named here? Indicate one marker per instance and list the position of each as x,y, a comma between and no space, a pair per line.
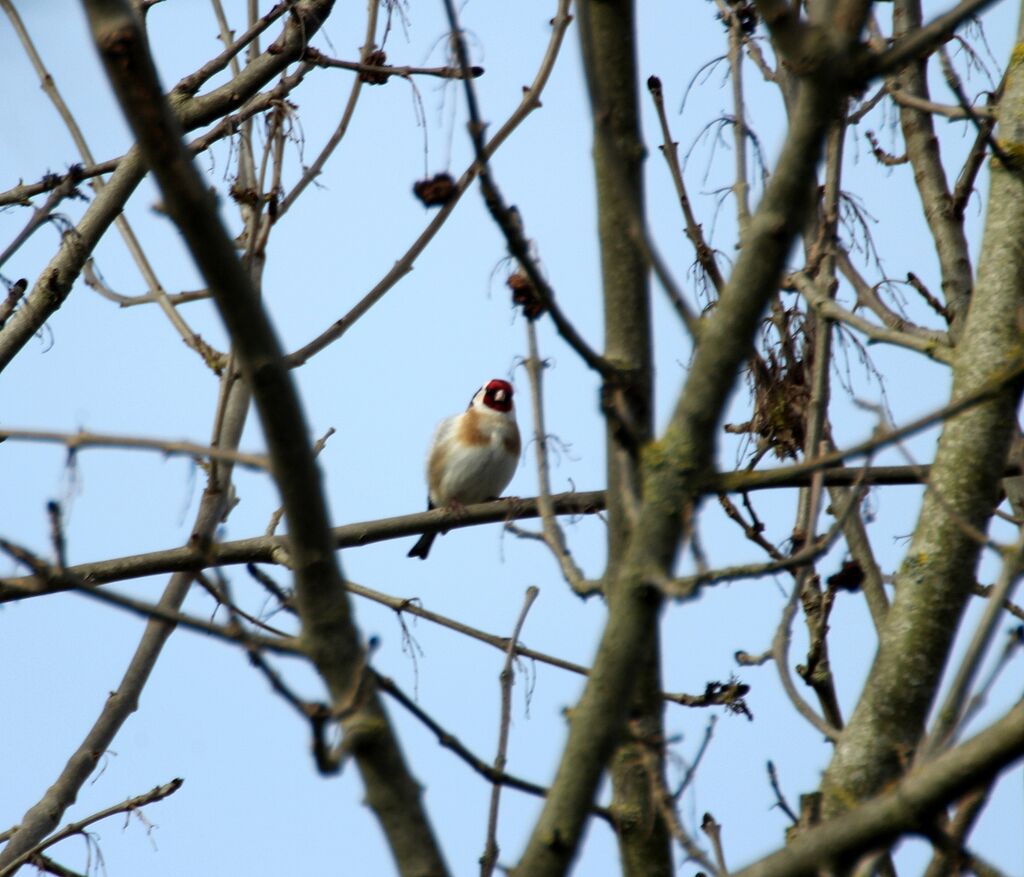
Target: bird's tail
422,547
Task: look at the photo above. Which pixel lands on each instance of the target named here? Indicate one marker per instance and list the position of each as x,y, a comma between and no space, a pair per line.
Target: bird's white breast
462,472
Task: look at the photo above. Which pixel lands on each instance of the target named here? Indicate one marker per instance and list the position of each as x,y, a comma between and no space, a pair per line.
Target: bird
473,455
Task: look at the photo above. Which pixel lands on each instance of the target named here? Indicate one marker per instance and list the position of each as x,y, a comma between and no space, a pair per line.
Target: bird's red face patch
498,395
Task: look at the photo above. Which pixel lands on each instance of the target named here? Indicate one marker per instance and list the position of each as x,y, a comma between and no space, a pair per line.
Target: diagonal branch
529,102
935,580
903,808
132,804
55,282
506,217
672,470
329,632
43,816
921,41
489,859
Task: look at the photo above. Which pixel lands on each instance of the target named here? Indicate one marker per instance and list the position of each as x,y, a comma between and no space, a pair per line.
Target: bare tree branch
54,284
329,632
530,101
43,816
936,578
132,804
920,42
671,470
489,859
906,807
75,441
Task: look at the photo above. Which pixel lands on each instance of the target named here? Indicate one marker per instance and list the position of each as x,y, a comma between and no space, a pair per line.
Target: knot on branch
376,59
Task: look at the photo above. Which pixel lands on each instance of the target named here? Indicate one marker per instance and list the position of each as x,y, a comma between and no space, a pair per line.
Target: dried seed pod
525,295
436,190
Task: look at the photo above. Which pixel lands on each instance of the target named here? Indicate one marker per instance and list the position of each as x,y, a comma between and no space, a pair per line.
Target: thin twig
780,799
714,832
983,124
191,84
73,828
312,56
666,804
829,308
68,580
221,593
780,654
975,159
452,743
949,719
554,536
529,102
741,184
920,41
275,518
40,216
386,70
691,771
818,671
507,218
687,587
986,592
753,531
1014,643
705,255
490,856
75,441
949,111
315,713
867,296
93,281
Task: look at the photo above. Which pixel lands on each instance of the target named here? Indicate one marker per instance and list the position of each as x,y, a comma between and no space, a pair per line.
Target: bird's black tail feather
422,547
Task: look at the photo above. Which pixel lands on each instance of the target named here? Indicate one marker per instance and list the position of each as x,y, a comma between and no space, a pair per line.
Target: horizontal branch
379,73
950,111
274,549
74,441
55,579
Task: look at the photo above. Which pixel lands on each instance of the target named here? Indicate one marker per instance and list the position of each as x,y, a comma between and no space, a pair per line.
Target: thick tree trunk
934,582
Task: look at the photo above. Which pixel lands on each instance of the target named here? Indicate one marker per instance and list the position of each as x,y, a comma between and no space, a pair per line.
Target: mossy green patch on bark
1010,157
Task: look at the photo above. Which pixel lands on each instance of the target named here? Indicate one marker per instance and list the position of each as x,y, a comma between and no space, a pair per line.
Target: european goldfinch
473,455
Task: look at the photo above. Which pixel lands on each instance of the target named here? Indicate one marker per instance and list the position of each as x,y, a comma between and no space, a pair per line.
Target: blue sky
252,800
